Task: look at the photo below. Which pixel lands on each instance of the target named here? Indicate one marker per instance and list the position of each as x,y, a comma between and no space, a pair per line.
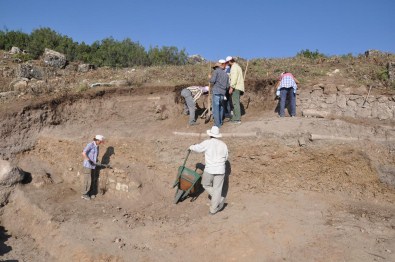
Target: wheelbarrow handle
186,158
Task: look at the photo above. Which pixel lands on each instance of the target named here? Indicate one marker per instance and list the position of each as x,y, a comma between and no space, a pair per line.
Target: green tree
8,39
83,52
68,47
167,56
43,38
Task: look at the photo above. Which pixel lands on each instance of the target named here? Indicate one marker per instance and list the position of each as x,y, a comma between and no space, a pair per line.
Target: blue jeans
218,109
284,93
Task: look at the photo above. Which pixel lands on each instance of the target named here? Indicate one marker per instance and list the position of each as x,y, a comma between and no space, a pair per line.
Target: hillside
318,187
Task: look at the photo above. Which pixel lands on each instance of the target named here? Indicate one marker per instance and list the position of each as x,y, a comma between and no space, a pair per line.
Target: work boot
86,197
211,214
221,205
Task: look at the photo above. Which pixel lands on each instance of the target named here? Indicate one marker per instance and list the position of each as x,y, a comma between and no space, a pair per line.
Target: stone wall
119,182
329,99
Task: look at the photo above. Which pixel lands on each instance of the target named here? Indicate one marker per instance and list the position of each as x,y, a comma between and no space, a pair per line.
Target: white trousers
213,185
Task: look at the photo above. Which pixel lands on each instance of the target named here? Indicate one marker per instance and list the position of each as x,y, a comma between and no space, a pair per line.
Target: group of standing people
227,81
227,85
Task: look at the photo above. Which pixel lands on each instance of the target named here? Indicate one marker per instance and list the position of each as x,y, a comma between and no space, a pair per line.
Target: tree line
107,52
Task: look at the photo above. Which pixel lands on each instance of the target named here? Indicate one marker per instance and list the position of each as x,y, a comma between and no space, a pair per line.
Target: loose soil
290,198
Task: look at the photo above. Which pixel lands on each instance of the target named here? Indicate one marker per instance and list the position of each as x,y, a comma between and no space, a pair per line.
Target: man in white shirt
216,155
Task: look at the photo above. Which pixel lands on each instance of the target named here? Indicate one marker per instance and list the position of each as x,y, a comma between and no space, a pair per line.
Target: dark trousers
284,93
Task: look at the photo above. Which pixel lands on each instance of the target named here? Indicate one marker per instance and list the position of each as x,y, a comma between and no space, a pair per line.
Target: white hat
99,137
221,61
228,58
214,132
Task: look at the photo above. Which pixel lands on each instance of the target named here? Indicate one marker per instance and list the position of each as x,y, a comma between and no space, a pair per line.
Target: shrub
310,54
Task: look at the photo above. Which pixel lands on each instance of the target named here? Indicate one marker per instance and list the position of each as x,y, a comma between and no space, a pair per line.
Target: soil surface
300,189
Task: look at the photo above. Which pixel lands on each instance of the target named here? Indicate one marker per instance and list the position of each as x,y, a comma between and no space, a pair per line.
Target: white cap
228,58
99,137
221,61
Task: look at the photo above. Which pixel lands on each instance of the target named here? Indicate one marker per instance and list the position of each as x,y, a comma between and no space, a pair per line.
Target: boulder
83,68
15,50
29,71
196,59
9,174
54,59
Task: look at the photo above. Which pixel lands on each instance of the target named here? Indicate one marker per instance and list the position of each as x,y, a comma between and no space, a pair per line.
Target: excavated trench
277,178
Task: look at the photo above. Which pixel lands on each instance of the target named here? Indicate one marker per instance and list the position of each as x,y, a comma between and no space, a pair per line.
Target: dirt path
289,199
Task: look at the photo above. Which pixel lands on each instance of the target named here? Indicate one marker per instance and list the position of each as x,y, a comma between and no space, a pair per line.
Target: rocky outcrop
54,59
15,50
9,174
29,71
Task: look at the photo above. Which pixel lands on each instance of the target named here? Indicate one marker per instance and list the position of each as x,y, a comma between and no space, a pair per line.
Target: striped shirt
197,91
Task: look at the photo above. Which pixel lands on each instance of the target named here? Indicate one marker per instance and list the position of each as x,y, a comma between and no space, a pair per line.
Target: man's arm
199,148
213,78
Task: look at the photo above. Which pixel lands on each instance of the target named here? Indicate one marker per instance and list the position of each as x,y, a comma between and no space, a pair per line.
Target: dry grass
353,70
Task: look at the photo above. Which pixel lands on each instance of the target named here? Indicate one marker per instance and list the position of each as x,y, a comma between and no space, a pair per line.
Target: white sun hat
214,132
99,137
228,58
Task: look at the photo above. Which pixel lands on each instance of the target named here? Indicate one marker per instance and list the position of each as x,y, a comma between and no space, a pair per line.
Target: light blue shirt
92,152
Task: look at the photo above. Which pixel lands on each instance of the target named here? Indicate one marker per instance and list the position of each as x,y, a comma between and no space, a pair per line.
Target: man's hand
230,90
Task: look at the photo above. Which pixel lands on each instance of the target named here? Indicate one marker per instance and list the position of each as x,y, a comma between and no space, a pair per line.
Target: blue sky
216,29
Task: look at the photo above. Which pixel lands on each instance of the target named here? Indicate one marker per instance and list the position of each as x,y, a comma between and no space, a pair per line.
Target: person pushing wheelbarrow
216,155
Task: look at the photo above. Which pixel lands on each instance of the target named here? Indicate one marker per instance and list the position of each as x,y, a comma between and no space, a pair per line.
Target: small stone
117,240
70,169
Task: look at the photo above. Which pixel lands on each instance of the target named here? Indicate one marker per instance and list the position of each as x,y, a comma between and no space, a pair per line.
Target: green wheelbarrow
186,181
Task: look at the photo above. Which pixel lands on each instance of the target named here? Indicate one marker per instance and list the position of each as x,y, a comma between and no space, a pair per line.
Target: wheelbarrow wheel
178,195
